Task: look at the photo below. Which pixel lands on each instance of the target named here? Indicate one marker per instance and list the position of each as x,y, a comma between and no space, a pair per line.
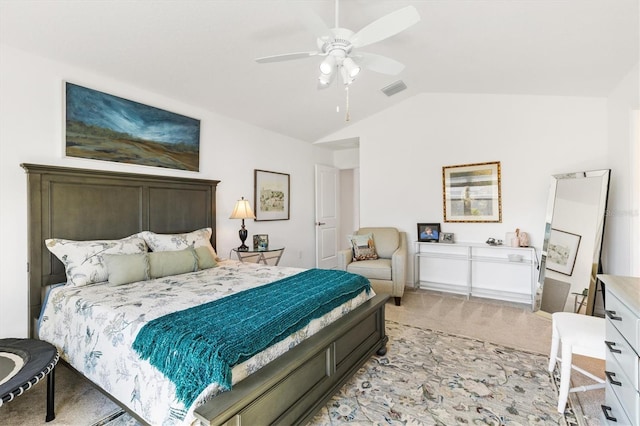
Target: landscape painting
100,126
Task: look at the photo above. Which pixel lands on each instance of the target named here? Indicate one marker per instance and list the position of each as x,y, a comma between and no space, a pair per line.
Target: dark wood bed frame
81,204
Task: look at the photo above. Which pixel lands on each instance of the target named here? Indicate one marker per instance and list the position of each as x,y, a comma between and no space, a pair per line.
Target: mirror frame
605,175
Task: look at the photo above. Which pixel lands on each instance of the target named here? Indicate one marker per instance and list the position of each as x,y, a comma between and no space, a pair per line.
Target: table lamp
243,211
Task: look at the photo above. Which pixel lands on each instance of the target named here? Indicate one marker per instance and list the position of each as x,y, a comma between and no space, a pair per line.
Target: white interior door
327,209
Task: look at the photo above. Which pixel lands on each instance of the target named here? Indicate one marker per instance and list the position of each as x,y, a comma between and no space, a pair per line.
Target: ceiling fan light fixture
325,79
328,65
337,44
346,79
352,68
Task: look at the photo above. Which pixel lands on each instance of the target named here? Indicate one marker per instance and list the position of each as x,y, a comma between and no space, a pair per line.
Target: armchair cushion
378,269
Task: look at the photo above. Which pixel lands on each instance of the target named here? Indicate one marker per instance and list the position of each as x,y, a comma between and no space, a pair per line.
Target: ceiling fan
339,46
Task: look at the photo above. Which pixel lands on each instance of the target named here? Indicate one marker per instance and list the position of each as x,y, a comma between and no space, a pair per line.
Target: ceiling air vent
394,88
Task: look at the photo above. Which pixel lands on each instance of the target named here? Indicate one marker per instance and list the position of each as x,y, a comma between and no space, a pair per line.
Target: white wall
621,246
31,132
403,149
346,158
348,161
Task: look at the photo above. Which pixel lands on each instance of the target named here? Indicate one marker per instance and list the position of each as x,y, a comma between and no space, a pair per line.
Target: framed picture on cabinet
429,232
471,193
446,237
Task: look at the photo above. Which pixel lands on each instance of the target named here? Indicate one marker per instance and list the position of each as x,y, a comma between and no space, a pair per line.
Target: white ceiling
202,52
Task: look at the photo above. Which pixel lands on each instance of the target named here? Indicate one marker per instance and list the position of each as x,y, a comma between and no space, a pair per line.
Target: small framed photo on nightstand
261,242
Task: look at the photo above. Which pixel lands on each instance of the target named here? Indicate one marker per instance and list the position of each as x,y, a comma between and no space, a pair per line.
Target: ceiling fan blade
387,26
379,63
287,57
313,22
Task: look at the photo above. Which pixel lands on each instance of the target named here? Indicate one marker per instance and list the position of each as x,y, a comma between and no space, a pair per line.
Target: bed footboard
292,388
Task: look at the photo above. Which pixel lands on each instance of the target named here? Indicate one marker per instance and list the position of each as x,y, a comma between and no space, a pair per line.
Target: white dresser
622,308
477,269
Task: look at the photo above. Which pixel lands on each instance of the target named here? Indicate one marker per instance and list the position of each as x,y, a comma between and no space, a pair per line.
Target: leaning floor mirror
570,258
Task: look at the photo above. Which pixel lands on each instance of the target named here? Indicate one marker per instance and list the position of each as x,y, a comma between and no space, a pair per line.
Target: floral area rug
432,378
429,377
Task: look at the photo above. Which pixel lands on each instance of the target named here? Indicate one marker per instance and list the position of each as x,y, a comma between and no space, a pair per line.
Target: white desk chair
577,334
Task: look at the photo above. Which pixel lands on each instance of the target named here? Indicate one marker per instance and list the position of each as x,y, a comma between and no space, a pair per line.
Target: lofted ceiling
202,52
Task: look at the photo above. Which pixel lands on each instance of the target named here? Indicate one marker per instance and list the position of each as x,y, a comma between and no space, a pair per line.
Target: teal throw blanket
199,346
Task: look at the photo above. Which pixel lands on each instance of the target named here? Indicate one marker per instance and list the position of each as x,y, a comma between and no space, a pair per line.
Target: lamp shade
242,210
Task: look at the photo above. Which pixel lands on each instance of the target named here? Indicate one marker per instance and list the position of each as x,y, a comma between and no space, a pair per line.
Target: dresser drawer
620,350
625,391
612,411
624,319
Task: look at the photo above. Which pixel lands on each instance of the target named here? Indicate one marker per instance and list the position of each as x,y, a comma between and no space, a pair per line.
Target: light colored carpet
514,326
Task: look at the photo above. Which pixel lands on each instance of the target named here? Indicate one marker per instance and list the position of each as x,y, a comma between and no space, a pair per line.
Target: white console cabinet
477,269
622,309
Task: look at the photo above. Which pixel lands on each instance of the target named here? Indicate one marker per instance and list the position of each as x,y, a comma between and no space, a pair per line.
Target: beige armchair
387,273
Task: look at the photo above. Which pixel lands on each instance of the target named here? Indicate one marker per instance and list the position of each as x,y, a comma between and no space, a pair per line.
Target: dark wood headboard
80,204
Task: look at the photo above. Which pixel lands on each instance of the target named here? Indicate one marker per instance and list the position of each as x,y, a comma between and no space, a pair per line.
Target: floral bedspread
94,327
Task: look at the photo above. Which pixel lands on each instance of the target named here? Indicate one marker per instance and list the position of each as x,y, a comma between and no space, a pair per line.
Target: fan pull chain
347,117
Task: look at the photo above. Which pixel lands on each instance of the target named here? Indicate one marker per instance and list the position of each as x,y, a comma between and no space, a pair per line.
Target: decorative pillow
205,259
363,247
84,260
163,263
127,268
173,242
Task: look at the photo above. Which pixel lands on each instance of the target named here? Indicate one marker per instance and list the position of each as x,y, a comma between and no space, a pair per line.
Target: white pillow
173,242
84,261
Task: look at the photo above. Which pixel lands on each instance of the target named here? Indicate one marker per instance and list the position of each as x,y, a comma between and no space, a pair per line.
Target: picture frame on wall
562,251
472,193
429,232
101,126
271,195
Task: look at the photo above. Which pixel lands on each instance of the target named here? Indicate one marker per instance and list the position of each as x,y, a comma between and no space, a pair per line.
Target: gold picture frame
472,193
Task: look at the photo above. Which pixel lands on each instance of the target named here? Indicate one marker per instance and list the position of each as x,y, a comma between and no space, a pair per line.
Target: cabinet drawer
624,319
625,391
620,350
613,410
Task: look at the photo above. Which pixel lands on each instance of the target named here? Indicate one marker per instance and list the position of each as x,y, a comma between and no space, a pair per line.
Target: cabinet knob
610,375
605,410
612,315
611,345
